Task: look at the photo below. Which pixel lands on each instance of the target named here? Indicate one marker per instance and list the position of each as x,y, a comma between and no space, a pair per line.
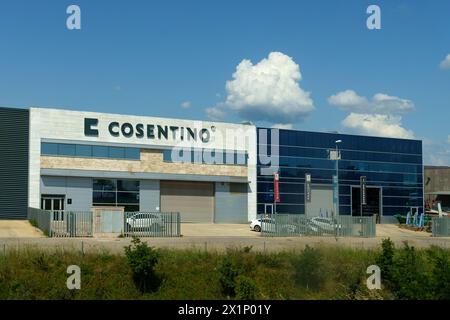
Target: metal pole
337,179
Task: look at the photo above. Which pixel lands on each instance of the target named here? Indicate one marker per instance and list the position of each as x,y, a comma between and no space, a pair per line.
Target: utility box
108,221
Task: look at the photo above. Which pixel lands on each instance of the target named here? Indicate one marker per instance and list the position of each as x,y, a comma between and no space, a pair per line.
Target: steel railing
80,223
440,226
71,224
291,225
152,224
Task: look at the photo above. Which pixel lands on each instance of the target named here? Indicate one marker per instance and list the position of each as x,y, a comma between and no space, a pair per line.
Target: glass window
83,150
104,185
49,148
133,153
167,155
117,152
104,197
66,149
131,208
100,151
127,197
128,185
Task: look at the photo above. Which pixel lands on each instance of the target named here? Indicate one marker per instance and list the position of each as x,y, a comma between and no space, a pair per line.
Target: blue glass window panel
116,152
49,148
100,151
133,153
83,150
66,149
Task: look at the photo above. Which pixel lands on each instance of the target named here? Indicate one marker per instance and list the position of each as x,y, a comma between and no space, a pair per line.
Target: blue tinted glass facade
393,170
88,151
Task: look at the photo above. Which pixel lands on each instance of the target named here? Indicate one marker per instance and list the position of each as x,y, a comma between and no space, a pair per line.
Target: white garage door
194,200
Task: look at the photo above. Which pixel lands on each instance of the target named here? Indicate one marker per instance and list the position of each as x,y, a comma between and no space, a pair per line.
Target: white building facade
204,170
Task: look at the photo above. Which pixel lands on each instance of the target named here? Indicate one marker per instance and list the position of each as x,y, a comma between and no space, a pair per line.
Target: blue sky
148,57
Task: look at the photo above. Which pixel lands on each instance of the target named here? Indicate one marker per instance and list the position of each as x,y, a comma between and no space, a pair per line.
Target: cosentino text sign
150,131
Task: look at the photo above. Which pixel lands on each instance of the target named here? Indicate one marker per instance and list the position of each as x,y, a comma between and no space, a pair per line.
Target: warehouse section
13,163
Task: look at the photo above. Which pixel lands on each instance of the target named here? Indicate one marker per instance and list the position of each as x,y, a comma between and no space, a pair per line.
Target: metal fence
152,224
129,224
40,219
71,224
291,225
441,226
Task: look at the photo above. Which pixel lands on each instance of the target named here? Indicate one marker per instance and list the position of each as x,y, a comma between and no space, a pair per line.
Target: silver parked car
144,221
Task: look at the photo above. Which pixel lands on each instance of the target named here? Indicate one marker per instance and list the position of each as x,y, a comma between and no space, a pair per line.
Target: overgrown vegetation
142,260
239,273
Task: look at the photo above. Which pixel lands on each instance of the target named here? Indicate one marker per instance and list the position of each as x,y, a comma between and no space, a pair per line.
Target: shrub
386,260
309,269
142,260
245,288
229,271
440,278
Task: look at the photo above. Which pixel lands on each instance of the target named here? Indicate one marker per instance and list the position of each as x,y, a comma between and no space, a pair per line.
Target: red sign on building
276,188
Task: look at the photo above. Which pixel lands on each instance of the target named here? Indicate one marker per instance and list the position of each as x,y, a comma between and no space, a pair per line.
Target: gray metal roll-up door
194,200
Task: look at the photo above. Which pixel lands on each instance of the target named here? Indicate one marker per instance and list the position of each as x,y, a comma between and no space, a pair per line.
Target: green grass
314,273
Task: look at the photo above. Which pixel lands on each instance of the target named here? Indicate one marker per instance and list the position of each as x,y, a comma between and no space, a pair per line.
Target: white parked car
255,225
144,221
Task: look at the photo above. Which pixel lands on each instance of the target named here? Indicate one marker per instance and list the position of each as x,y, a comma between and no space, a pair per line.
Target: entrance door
53,203
321,204
373,199
268,209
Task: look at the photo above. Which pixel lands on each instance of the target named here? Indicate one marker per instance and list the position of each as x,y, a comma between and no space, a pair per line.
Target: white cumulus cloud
445,64
382,125
185,104
282,126
215,113
436,153
380,103
268,91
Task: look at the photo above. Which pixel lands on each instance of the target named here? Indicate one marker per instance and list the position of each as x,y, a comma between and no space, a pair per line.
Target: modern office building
69,160
392,167
208,171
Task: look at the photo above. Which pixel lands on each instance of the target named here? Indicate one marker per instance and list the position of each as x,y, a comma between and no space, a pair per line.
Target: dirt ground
20,234
18,229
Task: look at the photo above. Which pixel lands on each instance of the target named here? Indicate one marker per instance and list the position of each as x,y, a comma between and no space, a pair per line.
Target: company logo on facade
150,131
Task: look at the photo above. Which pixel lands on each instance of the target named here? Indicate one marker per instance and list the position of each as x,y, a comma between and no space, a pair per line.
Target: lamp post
338,156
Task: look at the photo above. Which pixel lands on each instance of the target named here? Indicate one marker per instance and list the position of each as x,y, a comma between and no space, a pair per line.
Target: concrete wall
229,207
149,195
77,189
436,179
